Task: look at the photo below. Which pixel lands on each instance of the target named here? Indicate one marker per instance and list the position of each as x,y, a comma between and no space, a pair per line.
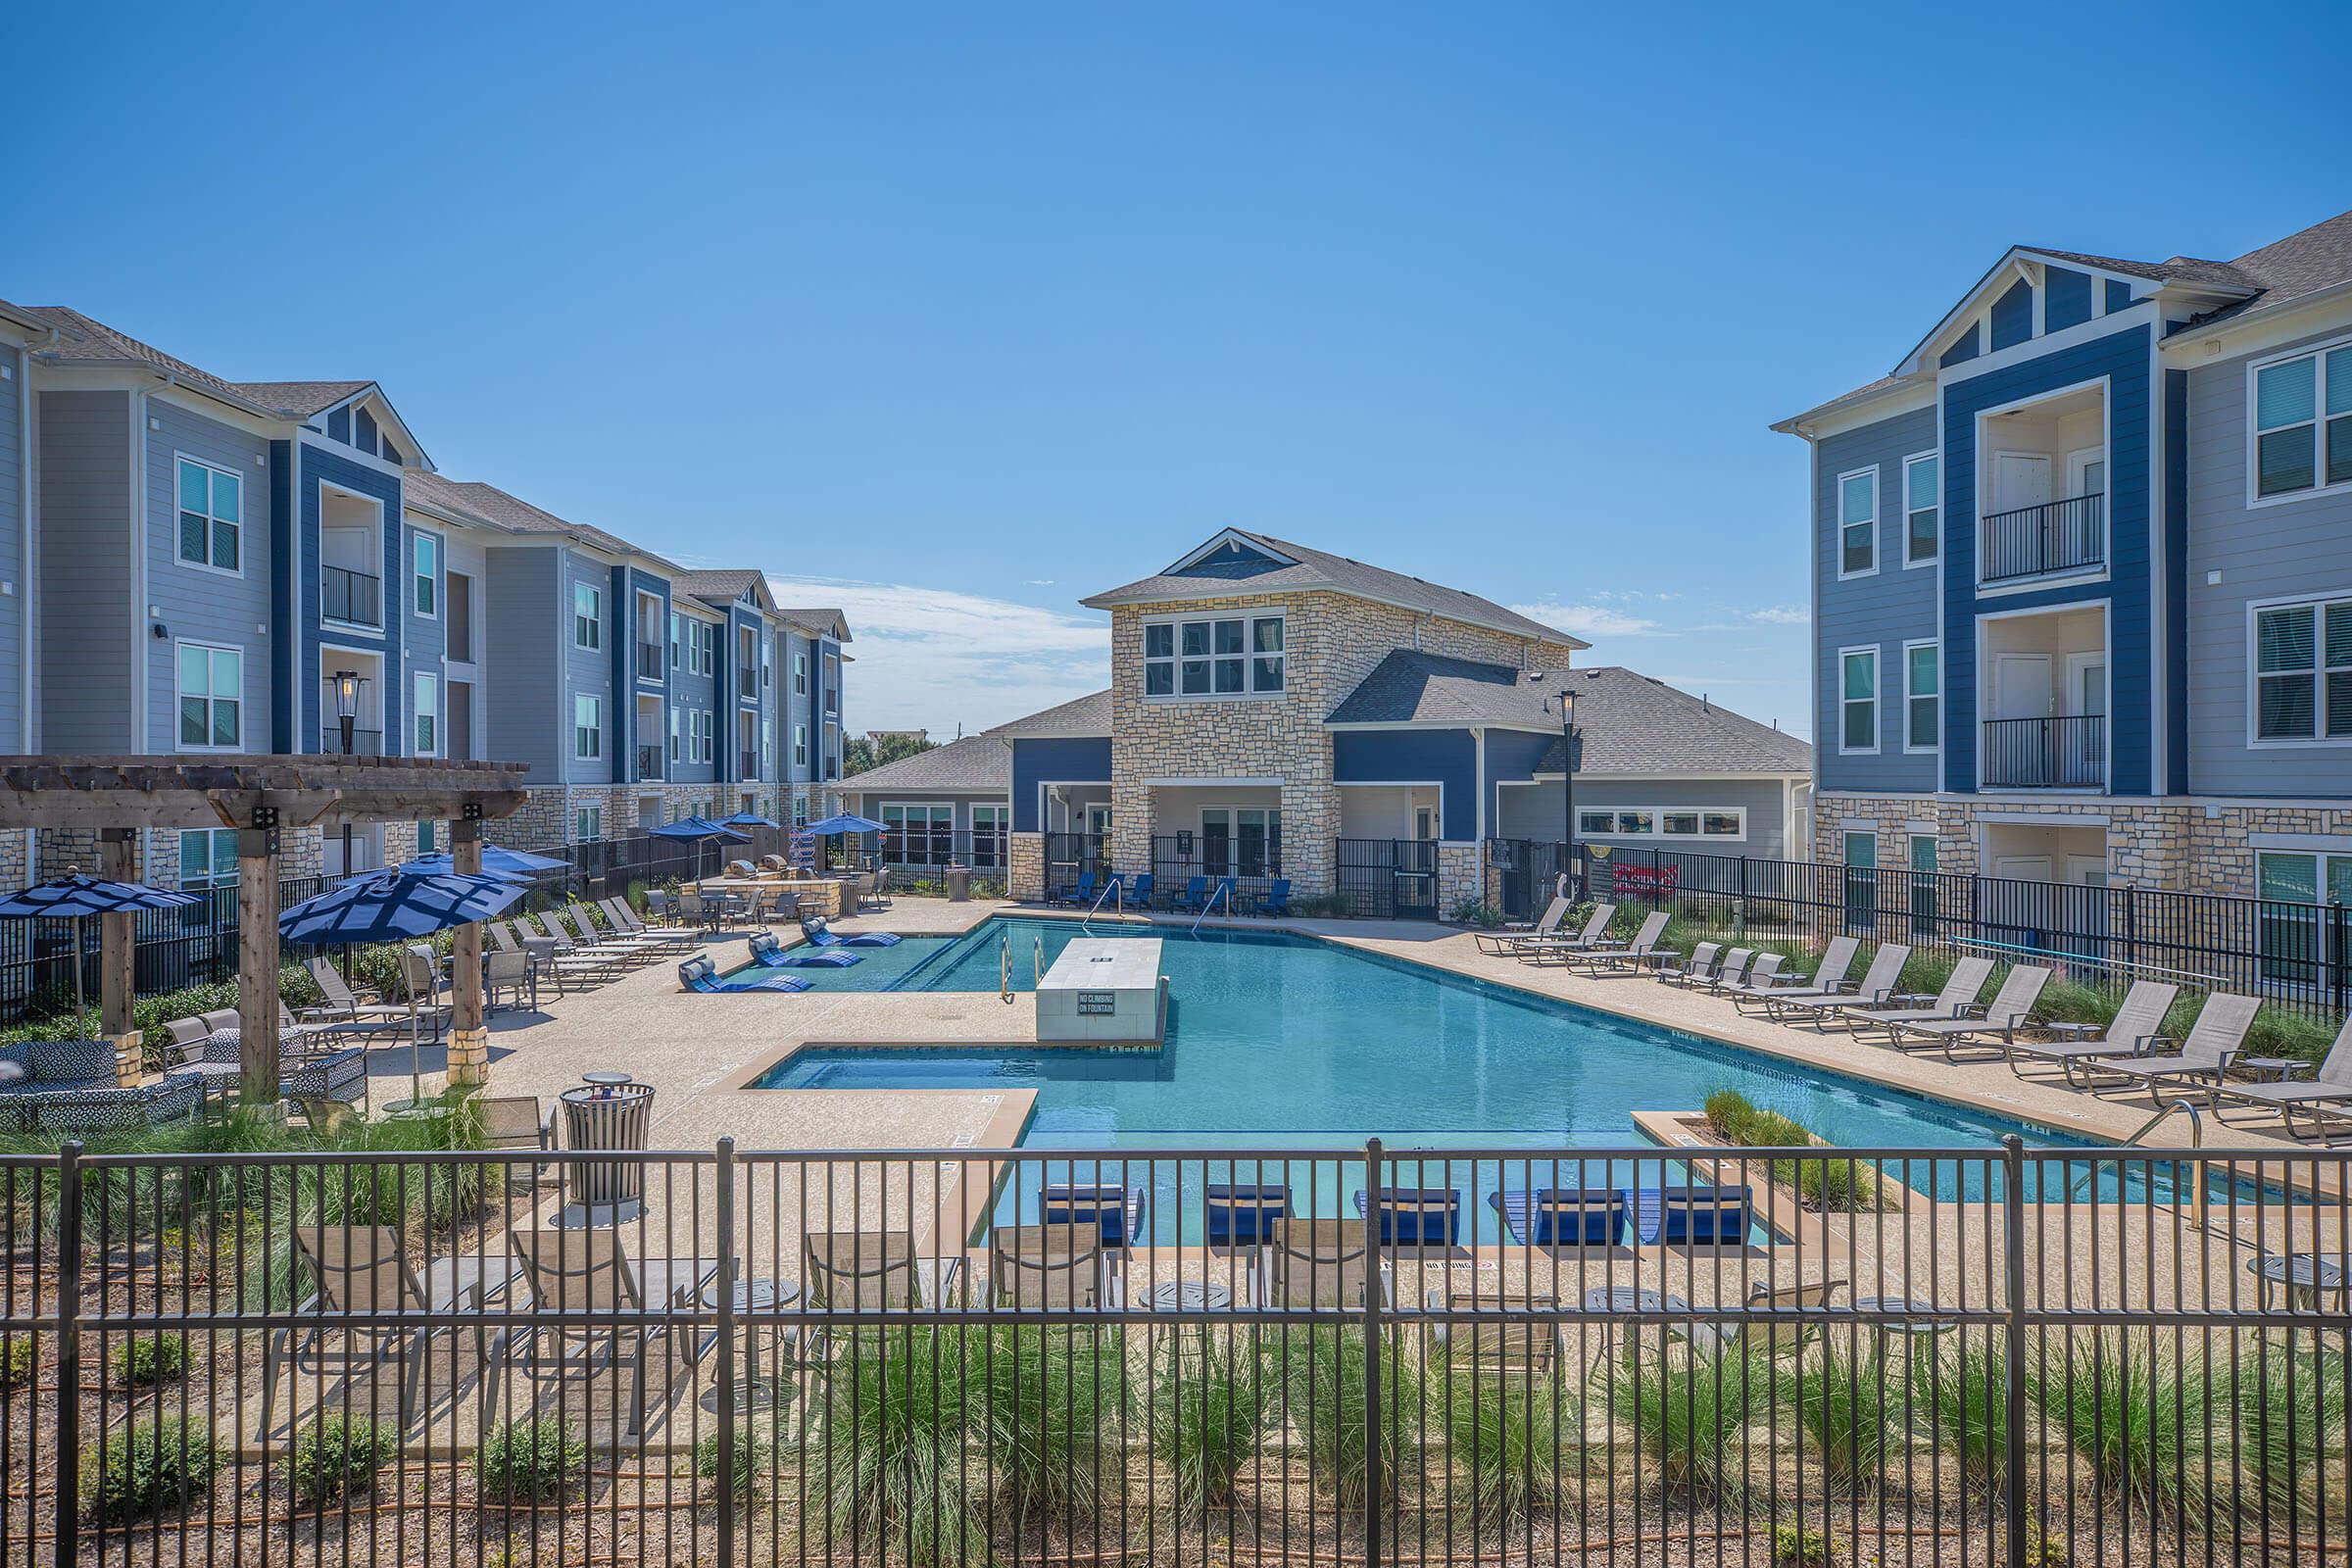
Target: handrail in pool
1004,969
1220,891
2196,1140
1114,885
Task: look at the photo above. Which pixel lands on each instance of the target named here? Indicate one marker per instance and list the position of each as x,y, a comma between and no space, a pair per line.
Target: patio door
1241,841
924,835
2295,888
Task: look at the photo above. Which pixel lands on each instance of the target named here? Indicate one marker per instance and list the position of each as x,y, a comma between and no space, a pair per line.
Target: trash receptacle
608,1111
959,884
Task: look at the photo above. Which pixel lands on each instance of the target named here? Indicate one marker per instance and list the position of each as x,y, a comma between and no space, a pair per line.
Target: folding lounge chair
1830,977
1699,968
1499,942
1603,957
2203,1057
1414,1216
2329,1088
2010,1010
1958,995
1732,971
1562,1216
1539,947
1315,1263
1876,984
1764,975
2131,1032
1050,1266
1116,1211
1244,1214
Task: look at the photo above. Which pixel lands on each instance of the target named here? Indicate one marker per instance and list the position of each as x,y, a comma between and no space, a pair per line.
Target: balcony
2053,539
351,597
649,660
364,742
747,764
2067,752
649,761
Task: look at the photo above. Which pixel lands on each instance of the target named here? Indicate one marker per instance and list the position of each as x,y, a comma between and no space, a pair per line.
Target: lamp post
347,685
1568,734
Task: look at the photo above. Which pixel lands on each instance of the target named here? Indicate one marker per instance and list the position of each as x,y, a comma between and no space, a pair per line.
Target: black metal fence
1988,1356
2298,956
1387,878
1188,868
1070,857
924,846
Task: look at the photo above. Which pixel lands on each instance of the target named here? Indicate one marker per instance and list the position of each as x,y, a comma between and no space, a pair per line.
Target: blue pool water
1283,1042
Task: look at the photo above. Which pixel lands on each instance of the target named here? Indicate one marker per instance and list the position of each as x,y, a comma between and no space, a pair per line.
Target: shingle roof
515,513
1638,725
1319,568
718,588
821,617
1080,717
301,397
83,340
431,489
1410,687
977,764
2307,260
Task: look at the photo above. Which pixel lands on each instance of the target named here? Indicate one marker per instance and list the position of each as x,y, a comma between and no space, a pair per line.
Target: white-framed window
427,716
2302,671
920,834
426,563
587,727
208,858
799,811
1923,852
2300,434
212,698
800,746
587,615
702,735
990,825
676,722
1701,823
799,674
428,837
1923,696
211,516
1857,699
1858,522
588,823
1923,509
1214,657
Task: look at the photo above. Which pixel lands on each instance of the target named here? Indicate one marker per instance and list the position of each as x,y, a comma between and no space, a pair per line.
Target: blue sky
967,311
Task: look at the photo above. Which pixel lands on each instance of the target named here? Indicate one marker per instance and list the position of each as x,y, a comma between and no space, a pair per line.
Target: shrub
336,1451
1328,1376
1475,911
1052,1407
1688,1416
2137,1415
1853,1417
1510,1435
892,1474
1800,1545
15,1361
148,1466
145,1358
1840,1185
1324,905
747,1461
528,1459
2290,1419
1963,1396
1206,1423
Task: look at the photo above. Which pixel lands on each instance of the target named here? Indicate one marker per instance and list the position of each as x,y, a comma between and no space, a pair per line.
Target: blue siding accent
2067,298
285,702
1448,757
621,632
363,432
2012,317
321,466
2176,578
2122,358
338,425
1883,611
1232,560
1510,756
2118,295
1053,760
1966,349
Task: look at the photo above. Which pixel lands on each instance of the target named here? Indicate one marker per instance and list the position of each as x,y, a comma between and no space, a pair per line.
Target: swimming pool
1284,1042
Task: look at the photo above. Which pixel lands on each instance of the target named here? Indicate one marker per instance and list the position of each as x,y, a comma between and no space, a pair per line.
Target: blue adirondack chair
1277,901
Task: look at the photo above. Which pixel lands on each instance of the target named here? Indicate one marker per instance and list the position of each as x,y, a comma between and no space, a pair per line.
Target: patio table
1911,1324
755,1296
2306,1280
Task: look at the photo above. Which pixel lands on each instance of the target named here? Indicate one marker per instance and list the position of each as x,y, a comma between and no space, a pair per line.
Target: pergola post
116,947
258,954
469,1036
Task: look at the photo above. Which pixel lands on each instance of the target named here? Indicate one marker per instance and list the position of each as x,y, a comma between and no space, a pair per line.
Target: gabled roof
520,516
724,588
823,621
1079,718
85,340
976,764
1411,687
1241,561
305,398
1635,725
419,487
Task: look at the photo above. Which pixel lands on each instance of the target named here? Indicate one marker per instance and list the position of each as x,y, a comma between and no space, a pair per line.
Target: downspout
28,567
1478,854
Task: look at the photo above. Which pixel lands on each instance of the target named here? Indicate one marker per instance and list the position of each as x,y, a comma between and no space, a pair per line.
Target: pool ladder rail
1223,888
1004,969
2196,1140
1114,885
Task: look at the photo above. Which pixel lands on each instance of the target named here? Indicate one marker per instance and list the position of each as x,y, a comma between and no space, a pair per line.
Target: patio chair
1876,984
1315,1263
508,974
2131,1032
1050,1266
517,1122
697,911
1195,893
1830,977
1114,1211
1730,973
362,1271
1275,902
585,1270
2329,1088
862,1271
877,890
2203,1058
1242,1213
1628,956
1807,1304
1139,891
2010,1010
1699,968
1535,947
1526,1348
1562,1216
1959,992
1414,1216
1497,943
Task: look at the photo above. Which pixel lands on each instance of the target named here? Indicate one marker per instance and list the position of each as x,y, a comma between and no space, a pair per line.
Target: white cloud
933,657
1590,621
1782,616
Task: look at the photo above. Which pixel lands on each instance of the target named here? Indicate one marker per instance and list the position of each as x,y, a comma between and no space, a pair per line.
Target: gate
1389,879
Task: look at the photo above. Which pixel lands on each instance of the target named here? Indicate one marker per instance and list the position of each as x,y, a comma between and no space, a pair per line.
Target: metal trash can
608,1111
959,884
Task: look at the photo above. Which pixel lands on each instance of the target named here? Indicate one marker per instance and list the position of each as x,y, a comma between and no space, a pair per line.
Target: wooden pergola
261,797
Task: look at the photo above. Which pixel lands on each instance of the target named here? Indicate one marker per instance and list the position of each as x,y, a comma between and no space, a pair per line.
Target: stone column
469,1036
1026,876
117,986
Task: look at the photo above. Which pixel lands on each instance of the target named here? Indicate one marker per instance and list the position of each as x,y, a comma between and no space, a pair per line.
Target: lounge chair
1959,994
1083,894
701,974
1116,1211
623,918
568,959
1414,1216
819,934
1498,941
1696,970
2131,1032
1275,902
344,1009
2010,1010
1603,957
1244,1214
1525,1346
628,948
1830,977
1730,972
2330,1086
1763,975
1876,984
2203,1058
1314,1263
1806,1304
1050,1267
1692,1216
584,1271
1562,1216
1537,947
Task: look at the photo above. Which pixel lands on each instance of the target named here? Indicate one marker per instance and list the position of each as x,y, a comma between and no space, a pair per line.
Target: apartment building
2083,578
195,565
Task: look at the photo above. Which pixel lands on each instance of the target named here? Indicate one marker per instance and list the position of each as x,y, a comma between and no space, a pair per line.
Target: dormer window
1214,657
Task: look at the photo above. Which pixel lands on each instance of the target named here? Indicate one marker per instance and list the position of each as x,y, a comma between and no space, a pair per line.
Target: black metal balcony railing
649,761
649,662
2068,753
747,764
351,597
364,742
2057,536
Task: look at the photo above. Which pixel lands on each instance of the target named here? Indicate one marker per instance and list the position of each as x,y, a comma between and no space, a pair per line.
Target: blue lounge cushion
1562,1216
1243,1215
1415,1217
1118,1211
1691,1216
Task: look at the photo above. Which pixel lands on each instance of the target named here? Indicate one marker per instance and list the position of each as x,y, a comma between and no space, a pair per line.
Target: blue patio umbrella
514,865
393,907
750,819
76,898
846,822
698,831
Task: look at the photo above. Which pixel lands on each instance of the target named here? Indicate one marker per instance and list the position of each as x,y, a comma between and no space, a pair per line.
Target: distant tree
863,753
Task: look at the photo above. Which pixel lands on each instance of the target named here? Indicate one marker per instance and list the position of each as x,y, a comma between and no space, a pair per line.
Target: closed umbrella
396,907
514,865
76,898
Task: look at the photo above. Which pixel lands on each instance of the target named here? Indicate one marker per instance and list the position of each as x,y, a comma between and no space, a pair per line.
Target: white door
2088,871
2087,471
2021,685
2020,479
2087,683
2021,867
1098,820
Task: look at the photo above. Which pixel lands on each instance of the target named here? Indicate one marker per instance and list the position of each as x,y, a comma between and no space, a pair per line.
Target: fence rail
1990,1355
2297,956
2065,535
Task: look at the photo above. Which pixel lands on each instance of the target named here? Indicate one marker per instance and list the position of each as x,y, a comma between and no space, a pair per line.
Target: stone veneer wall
1458,875
1331,642
1025,874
